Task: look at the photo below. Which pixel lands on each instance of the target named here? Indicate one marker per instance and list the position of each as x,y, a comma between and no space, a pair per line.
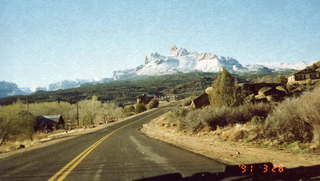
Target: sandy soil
227,151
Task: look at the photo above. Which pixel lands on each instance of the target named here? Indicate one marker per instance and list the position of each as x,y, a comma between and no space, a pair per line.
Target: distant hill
126,91
11,89
68,84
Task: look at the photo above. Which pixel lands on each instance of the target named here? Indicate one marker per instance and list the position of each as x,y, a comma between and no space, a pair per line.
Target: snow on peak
181,60
175,51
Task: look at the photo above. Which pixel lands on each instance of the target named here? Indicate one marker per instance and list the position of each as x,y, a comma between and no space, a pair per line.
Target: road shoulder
226,151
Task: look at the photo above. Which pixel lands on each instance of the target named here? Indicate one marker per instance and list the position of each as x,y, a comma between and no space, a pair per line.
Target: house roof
306,71
54,118
310,69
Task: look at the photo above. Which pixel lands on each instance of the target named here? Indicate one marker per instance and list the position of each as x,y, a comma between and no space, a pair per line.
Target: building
256,87
304,75
145,99
201,101
47,123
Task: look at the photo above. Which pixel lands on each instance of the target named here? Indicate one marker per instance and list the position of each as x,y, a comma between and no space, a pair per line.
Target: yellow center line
66,170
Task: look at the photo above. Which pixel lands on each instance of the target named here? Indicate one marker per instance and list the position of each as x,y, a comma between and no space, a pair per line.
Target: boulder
264,90
209,90
201,101
280,88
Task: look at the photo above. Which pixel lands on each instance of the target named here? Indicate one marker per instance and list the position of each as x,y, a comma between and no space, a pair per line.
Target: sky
46,41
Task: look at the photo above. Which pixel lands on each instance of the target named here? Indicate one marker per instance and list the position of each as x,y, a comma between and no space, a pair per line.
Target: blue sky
46,41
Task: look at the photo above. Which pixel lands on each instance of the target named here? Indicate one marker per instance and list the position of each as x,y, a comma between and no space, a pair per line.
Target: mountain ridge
181,60
11,89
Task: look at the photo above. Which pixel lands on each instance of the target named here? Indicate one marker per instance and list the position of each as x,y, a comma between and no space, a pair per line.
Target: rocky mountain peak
175,51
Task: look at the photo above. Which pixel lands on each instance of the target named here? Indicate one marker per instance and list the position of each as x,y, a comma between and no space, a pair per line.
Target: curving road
118,152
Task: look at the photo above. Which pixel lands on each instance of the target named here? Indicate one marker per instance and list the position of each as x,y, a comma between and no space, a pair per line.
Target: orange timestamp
261,169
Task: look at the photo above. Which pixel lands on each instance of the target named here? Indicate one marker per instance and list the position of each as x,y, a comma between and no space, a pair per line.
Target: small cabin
303,75
48,123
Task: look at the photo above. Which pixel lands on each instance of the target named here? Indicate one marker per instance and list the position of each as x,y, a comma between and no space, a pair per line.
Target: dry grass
296,119
211,117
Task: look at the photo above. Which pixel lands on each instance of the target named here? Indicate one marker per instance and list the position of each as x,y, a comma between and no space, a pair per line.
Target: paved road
125,155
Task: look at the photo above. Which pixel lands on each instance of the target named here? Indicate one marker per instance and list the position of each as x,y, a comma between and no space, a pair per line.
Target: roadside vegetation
17,121
154,103
139,107
293,123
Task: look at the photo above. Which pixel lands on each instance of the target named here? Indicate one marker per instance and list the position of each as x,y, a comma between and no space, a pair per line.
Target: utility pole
27,102
78,114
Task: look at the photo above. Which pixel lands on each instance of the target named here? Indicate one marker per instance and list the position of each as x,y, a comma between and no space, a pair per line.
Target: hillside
126,91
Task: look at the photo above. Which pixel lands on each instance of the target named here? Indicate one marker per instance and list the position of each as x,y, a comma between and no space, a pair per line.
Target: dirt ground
227,151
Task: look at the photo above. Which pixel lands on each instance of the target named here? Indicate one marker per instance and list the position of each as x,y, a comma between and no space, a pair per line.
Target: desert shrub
296,119
261,110
128,109
140,108
154,103
178,112
192,122
187,101
213,117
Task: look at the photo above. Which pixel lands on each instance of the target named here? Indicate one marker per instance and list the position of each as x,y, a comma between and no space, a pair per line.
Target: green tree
224,90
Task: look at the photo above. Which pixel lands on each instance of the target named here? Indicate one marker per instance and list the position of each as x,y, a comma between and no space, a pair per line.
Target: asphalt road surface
119,152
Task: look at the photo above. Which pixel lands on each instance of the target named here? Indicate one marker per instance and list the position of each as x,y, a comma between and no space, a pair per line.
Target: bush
187,101
178,112
212,117
154,103
129,109
192,122
140,108
296,119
